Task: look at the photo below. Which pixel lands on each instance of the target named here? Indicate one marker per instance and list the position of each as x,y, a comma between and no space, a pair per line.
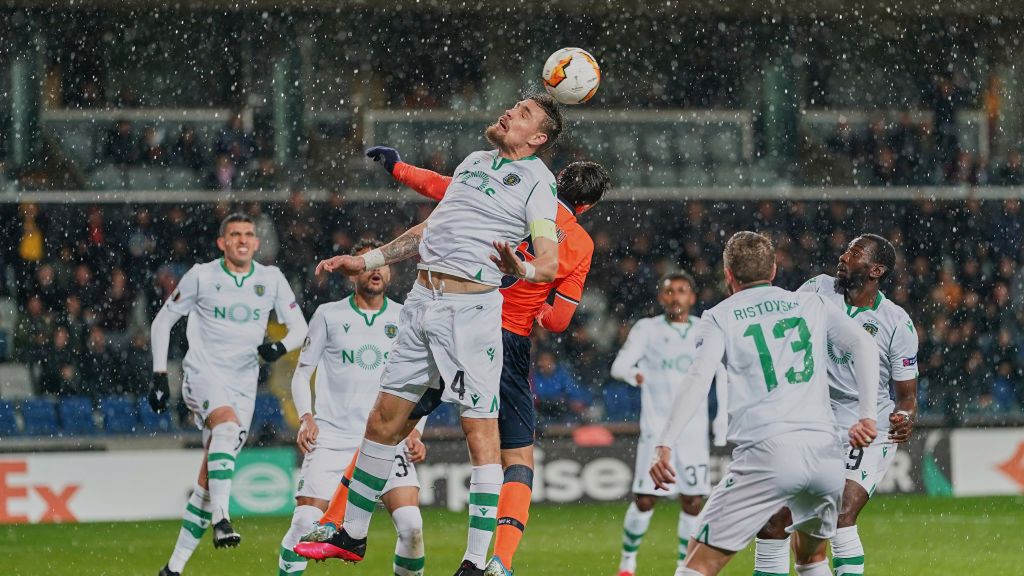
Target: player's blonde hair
750,257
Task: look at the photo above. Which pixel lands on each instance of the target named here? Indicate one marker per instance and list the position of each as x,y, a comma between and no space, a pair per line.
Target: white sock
193,525
303,520
687,526
373,467
771,557
633,529
847,552
680,571
220,464
409,553
816,569
484,487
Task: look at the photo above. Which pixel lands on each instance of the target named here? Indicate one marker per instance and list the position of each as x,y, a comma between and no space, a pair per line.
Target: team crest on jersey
260,289
871,328
512,180
391,329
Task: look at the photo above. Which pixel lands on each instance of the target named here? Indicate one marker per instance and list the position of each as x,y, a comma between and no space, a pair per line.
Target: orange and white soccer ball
571,76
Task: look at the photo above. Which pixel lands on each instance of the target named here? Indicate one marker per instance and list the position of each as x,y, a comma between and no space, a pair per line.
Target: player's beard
850,282
494,137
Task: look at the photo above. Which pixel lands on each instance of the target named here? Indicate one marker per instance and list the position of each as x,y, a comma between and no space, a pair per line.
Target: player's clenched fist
863,433
661,470
308,431
347,265
901,425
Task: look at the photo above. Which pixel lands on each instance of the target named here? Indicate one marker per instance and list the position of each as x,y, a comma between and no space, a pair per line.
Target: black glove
388,157
159,392
271,351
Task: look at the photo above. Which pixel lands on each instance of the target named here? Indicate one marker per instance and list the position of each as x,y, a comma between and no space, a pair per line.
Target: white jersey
490,198
774,344
349,347
227,320
893,332
662,351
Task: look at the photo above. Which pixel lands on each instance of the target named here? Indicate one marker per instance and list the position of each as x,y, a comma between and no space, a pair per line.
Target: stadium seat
107,177
151,421
689,145
40,416
182,179
621,402
149,178
8,420
664,176
723,146
694,176
268,414
119,415
79,145
76,416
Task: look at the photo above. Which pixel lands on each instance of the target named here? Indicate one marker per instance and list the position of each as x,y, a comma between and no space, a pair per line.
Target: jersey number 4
459,384
801,344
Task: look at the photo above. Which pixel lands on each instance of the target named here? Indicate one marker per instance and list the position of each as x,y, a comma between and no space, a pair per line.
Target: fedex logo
16,494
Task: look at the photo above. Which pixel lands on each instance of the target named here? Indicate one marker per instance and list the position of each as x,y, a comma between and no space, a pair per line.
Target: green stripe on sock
289,556
361,501
631,547
632,536
759,573
412,564
682,556
199,512
215,456
483,499
374,483
853,561
194,529
220,474
684,542
481,523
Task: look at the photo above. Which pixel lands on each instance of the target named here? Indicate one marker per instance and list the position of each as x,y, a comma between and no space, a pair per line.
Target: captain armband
543,229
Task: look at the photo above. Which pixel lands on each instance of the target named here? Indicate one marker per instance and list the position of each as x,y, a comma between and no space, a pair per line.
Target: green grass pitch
903,536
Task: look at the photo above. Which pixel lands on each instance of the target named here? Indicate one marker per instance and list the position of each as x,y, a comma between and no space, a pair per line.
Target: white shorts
799,470
456,337
867,466
203,396
690,459
323,468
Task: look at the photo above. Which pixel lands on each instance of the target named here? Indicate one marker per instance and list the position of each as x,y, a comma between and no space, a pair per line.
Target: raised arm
402,248
425,182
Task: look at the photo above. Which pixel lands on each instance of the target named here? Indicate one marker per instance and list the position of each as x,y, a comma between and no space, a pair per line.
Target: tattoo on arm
405,246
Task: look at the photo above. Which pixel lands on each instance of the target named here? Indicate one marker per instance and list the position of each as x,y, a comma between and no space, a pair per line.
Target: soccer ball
571,76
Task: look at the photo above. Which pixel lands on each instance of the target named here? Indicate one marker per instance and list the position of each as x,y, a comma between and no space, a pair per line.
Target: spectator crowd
82,285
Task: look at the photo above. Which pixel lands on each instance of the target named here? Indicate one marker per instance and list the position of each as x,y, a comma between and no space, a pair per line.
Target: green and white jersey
227,320
662,351
773,343
349,347
893,332
490,198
